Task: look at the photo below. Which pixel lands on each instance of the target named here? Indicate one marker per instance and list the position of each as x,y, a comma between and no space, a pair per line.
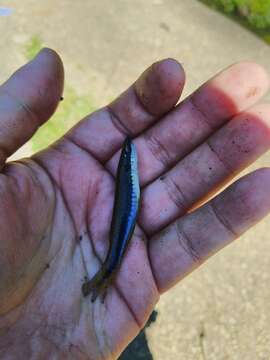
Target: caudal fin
97,285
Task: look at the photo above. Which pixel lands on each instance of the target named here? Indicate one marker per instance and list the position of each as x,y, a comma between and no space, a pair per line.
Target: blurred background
222,310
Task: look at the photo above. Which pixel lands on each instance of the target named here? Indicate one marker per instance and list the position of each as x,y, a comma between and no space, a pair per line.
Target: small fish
126,206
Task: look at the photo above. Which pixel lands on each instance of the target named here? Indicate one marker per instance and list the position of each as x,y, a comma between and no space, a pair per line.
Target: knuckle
176,194
158,150
187,244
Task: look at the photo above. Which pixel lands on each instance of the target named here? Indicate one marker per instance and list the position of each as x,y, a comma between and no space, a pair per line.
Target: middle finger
195,119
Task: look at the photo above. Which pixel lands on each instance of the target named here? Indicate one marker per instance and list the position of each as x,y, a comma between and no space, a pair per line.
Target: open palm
56,207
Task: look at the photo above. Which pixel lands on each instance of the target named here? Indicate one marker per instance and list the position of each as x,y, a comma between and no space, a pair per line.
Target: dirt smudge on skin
252,92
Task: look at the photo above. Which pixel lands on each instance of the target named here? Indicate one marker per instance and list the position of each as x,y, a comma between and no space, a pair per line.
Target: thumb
27,99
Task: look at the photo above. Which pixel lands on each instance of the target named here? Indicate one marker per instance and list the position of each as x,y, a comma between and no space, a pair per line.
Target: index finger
155,92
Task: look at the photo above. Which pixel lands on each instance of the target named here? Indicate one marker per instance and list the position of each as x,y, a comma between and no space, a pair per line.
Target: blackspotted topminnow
126,205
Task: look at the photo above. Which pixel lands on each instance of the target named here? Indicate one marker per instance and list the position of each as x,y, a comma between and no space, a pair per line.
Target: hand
56,206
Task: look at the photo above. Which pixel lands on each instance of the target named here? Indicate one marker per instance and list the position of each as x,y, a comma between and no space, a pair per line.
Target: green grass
253,14
69,111
32,47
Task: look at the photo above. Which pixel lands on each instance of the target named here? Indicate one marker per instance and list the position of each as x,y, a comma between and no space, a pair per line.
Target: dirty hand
56,207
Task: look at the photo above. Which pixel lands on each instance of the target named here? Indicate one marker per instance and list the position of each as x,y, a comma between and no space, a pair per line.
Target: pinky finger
189,241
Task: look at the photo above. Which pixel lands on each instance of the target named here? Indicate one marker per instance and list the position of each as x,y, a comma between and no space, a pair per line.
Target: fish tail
97,285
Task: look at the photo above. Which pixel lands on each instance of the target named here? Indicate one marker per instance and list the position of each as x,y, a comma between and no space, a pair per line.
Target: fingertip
46,51
160,86
39,83
254,190
258,79
244,82
171,76
255,71
259,182
49,60
247,201
53,68
51,57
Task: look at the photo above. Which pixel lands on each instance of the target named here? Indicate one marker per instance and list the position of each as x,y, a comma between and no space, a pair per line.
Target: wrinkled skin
56,207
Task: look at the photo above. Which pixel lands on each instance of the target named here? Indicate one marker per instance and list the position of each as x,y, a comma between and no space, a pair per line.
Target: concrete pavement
222,310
